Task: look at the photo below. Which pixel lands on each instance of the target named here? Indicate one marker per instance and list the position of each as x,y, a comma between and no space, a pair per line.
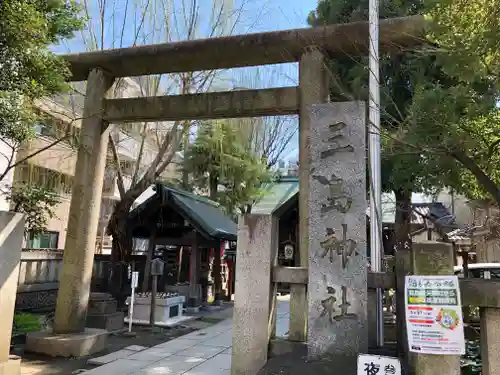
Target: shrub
24,323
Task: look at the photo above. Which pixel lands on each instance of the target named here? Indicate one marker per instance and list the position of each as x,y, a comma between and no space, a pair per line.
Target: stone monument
337,315
11,241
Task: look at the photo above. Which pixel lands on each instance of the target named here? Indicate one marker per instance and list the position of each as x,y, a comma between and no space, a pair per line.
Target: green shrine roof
204,214
277,195
283,192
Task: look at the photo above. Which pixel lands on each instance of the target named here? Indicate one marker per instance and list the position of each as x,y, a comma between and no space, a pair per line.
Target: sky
253,16
282,14
122,19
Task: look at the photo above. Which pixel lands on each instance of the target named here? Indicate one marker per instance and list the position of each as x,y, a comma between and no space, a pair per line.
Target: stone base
102,306
193,302
11,367
218,301
281,346
172,322
68,345
109,322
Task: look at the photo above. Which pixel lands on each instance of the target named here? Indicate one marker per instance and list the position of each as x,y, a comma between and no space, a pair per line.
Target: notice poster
434,315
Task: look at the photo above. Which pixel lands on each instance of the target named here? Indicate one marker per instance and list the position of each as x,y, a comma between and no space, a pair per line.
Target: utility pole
377,250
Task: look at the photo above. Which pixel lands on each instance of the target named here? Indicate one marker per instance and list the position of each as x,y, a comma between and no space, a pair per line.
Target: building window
56,128
44,240
58,182
127,167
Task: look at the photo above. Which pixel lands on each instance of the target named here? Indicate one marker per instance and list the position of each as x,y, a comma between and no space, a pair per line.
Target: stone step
109,322
67,345
102,306
97,296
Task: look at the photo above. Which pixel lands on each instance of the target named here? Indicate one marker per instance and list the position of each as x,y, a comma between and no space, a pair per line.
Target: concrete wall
456,204
11,235
487,247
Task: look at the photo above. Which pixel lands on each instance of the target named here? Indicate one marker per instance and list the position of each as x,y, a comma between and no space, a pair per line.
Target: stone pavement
204,352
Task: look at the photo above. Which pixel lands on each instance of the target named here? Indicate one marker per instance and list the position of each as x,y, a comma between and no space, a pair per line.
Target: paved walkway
204,352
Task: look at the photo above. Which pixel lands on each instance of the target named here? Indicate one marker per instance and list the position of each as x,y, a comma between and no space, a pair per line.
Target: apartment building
55,167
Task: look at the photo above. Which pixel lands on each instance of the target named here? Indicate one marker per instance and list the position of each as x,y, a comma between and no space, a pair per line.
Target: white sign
434,315
135,279
135,283
378,365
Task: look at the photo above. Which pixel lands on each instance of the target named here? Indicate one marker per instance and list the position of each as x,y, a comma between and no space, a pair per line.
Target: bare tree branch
121,187
37,152
139,156
482,177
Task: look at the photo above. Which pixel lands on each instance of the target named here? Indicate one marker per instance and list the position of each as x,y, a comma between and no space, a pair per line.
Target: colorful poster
434,315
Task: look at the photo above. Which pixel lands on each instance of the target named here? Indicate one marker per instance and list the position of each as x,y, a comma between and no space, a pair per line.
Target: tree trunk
403,264
403,220
482,178
120,249
213,183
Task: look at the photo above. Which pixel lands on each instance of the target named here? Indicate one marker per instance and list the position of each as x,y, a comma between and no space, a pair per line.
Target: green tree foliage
467,31
220,156
398,74
403,171
462,121
438,103
439,115
29,71
36,202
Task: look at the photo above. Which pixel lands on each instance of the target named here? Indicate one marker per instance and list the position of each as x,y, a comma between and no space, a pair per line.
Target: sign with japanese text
378,365
135,279
434,315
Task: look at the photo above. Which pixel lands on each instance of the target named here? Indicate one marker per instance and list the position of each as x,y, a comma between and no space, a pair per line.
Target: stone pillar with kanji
337,314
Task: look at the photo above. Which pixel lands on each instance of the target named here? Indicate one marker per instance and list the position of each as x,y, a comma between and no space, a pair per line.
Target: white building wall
6,183
457,205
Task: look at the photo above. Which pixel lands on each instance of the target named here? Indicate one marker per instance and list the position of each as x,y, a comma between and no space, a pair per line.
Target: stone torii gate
309,47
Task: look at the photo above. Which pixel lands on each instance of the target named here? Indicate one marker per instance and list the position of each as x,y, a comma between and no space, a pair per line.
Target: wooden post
149,257
217,275
83,221
313,79
152,311
194,273
157,267
230,277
